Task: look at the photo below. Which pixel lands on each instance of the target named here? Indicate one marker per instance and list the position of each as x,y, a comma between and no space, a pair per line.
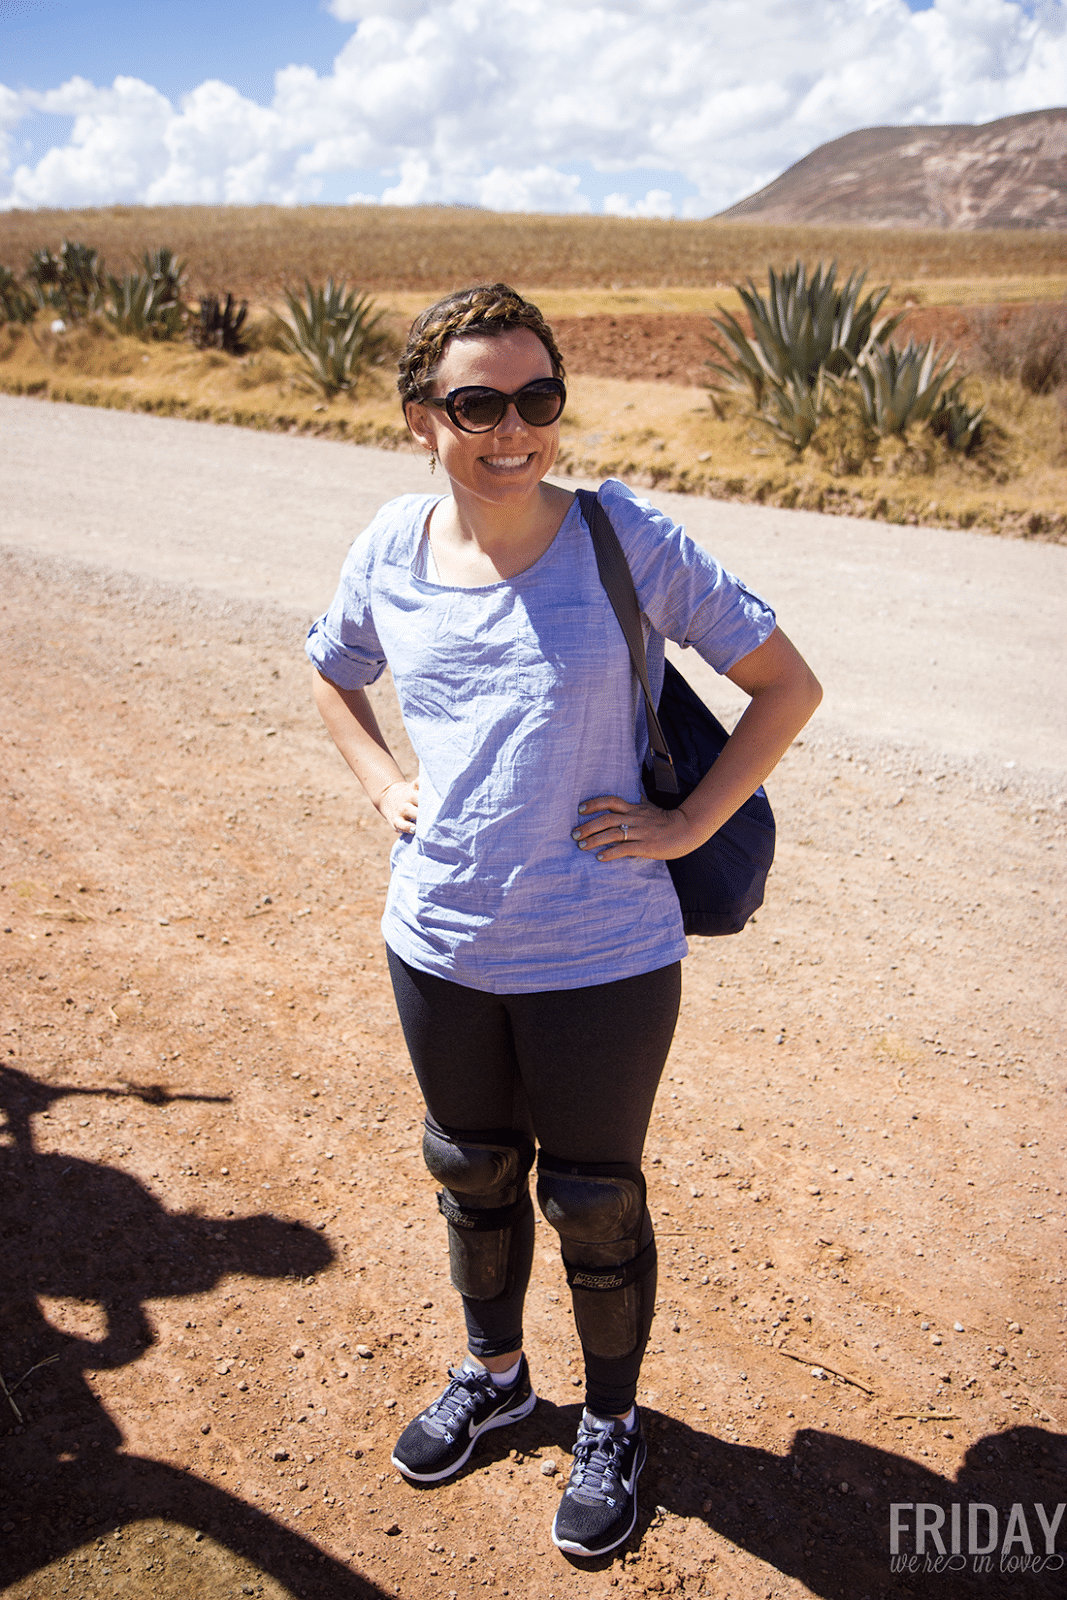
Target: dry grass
91,365
650,433
619,302
255,250
657,434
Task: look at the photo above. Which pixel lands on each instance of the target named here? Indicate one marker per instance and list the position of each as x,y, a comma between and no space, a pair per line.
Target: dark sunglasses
477,410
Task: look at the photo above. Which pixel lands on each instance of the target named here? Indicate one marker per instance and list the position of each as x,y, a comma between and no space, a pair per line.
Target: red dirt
225,1277
670,347
675,347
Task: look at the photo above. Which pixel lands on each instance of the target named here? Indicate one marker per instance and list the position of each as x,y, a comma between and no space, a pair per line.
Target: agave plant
959,424
15,303
71,282
792,410
142,306
218,325
166,271
334,333
803,329
899,388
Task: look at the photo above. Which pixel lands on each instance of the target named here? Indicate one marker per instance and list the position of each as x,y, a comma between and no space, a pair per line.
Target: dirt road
226,1286
943,639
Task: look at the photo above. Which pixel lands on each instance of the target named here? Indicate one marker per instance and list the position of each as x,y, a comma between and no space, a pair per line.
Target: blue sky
174,47
654,107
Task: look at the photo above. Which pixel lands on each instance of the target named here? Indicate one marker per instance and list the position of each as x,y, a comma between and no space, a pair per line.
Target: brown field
224,1274
630,302
255,250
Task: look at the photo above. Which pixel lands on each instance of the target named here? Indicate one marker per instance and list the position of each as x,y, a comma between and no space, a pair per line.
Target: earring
433,461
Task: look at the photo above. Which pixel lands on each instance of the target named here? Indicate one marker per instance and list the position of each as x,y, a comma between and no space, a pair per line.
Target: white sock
504,1380
628,1422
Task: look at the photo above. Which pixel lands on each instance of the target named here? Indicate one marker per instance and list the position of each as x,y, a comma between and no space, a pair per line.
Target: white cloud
539,188
223,147
657,203
356,10
479,103
115,148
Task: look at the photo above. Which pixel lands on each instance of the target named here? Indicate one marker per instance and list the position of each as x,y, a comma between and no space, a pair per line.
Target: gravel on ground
226,1278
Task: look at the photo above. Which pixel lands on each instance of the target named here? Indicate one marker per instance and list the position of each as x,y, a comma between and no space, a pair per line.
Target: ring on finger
625,831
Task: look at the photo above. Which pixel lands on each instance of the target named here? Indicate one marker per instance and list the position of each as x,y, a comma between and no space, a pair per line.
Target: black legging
577,1069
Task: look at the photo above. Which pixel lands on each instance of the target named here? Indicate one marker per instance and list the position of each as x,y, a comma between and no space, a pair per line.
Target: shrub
334,334
142,306
792,409
218,325
71,282
801,330
817,347
899,388
166,272
959,424
15,304
1030,346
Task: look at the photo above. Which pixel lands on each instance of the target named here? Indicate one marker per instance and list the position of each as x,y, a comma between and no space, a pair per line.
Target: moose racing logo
924,1537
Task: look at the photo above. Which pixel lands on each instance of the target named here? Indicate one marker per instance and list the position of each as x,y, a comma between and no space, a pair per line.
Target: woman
533,934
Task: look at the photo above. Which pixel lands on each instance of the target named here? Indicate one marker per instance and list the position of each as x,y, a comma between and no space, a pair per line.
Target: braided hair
487,308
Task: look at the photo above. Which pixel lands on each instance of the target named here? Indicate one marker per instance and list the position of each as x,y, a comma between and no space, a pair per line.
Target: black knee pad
609,1252
593,1205
485,1202
490,1168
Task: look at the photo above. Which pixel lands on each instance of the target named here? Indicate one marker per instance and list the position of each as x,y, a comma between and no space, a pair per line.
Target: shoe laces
596,1454
456,1406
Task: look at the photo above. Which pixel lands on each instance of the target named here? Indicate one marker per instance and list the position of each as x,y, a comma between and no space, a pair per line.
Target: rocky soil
225,1275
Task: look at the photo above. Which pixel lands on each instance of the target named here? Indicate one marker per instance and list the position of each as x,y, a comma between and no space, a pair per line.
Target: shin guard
609,1252
486,1204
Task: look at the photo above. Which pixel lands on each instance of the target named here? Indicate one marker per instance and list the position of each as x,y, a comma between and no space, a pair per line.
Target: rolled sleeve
343,644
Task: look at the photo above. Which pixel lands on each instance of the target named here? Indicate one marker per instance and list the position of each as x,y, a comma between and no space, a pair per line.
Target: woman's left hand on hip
615,829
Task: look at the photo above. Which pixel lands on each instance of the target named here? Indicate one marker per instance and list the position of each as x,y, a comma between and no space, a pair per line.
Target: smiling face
508,463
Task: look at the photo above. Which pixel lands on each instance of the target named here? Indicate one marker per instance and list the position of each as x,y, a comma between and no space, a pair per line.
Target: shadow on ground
822,1514
78,1229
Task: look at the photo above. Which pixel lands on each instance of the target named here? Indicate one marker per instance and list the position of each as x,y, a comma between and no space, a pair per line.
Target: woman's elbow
804,694
812,691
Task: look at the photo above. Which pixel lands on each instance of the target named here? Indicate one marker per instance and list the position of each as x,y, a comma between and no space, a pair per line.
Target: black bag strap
618,584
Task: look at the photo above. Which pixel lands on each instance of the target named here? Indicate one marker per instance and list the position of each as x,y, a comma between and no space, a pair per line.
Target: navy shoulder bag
720,884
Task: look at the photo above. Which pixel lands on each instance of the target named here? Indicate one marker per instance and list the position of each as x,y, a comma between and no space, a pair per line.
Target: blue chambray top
520,702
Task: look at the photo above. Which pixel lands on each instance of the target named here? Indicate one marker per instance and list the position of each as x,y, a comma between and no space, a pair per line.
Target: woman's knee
487,1168
594,1203
608,1248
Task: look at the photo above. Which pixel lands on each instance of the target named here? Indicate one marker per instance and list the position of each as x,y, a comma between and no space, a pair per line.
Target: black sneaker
599,1505
440,1439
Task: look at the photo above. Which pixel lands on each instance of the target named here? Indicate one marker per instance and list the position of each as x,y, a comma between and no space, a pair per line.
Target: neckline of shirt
423,562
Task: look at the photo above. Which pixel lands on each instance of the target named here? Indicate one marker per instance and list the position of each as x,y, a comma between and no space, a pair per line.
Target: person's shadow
824,1512
77,1229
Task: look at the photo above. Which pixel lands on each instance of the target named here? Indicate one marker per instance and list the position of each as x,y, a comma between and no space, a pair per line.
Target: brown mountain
1006,174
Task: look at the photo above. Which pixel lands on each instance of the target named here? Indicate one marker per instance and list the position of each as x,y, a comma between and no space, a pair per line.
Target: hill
1006,174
